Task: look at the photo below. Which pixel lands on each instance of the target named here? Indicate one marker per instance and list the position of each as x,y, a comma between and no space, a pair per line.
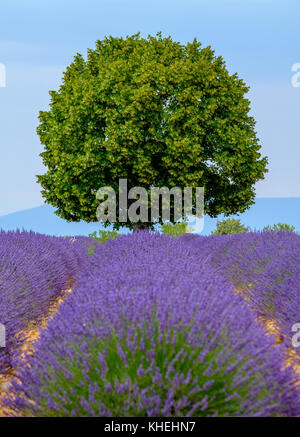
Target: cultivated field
149,325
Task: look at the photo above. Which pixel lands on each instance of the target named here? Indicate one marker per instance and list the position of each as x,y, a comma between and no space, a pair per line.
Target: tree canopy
154,111
230,226
280,227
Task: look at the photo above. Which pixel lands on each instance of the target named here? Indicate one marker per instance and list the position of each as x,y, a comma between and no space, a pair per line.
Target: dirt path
29,336
272,328
290,359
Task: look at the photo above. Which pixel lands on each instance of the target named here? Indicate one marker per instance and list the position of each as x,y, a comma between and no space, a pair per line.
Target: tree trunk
140,226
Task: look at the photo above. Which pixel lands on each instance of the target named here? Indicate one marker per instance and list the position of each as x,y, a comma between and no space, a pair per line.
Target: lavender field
154,325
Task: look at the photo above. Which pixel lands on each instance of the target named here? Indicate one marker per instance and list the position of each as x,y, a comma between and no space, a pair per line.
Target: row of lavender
154,328
34,270
263,265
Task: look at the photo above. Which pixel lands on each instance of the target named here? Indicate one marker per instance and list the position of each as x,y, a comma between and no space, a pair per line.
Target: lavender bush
154,328
265,266
34,270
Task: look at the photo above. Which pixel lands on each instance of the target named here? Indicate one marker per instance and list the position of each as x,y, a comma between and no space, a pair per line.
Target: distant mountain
42,219
269,210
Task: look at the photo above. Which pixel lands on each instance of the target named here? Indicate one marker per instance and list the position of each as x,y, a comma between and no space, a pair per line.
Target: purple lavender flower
159,320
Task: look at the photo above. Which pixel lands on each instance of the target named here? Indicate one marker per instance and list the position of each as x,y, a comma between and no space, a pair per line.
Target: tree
280,227
229,227
156,112
177,229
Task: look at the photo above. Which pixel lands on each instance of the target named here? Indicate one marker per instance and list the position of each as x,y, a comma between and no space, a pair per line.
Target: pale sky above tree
38,39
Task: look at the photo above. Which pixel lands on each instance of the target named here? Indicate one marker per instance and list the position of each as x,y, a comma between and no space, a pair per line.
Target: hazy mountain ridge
42,219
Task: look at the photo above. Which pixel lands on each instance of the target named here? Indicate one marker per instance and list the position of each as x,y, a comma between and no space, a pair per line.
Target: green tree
156,112
104,236
230,226
280,227
177,229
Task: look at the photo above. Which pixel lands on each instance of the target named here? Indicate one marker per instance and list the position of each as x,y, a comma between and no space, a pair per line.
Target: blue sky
259,39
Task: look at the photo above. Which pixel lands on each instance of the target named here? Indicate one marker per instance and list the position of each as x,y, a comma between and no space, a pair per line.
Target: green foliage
171,347
280,227
91,249
230,226
176,230
156,112
104,236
